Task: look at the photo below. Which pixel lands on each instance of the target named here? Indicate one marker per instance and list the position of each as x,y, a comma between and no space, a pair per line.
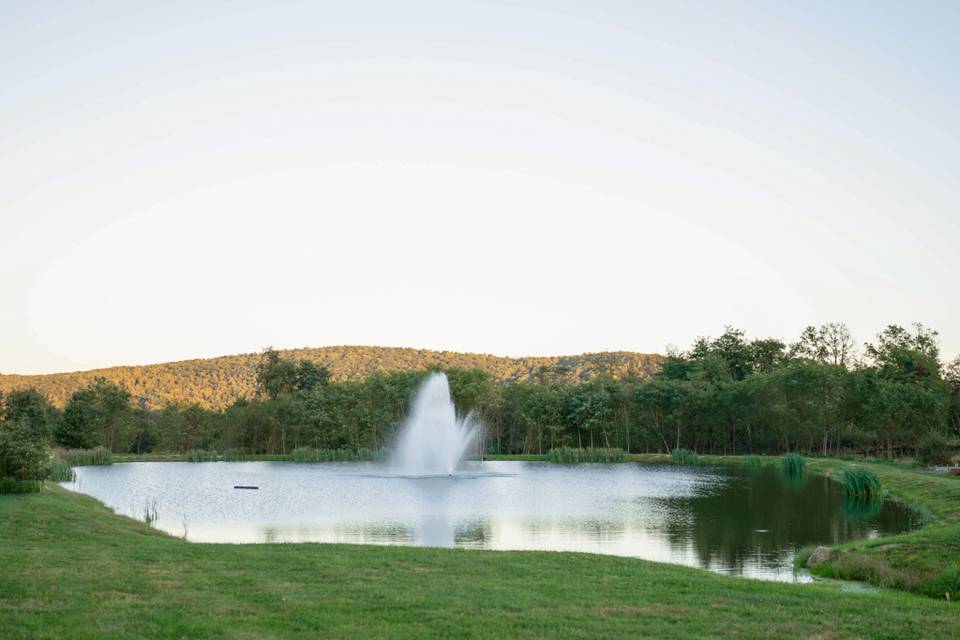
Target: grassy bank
926,561
71,568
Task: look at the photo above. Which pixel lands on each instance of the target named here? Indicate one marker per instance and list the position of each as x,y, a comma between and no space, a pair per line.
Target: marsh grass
85,457
307,454
684,456
860,483
793,465
202,455
590,454
150,514
60,470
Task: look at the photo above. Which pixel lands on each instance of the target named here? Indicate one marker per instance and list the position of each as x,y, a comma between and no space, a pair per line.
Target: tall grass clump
60,470
684,456
12,485
86,457
202,455
235,455
752,462
793,465
860,483
308,454
590,454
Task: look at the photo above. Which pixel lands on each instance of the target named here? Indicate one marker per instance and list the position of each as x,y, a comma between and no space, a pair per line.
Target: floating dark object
243,486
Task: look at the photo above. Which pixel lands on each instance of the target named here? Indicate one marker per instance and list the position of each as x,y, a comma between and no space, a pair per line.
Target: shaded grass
70,568
14,486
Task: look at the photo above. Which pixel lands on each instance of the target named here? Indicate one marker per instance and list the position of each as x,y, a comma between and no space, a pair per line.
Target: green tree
30,406
275,375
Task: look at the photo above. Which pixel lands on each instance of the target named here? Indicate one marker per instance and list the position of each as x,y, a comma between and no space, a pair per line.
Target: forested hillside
216,383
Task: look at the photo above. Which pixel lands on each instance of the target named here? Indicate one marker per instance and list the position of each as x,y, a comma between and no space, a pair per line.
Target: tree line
216,383
729,395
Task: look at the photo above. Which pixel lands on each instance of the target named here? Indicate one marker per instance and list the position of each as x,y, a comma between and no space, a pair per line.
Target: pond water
730,521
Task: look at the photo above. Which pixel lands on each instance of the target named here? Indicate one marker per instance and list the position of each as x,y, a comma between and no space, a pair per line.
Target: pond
748,523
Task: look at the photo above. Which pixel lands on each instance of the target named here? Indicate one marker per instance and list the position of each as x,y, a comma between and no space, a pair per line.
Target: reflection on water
742,523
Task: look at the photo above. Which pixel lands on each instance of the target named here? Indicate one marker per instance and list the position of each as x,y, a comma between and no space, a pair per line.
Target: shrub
793,465
860,483
684,456
934,449
23,452
590,454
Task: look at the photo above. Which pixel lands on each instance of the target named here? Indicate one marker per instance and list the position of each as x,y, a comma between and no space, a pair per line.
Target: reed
590,454
60,470
202,455
684,456
793,465
85,457
307,454
860,483
752,462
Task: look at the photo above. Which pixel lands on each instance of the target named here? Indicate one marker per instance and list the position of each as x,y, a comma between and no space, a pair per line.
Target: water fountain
433,440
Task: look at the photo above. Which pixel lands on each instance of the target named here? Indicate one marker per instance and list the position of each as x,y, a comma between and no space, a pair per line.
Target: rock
818,556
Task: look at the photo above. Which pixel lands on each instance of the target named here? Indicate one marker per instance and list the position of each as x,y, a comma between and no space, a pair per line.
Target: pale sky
199,178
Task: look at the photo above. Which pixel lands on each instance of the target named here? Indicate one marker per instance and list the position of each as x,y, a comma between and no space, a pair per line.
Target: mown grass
70,568
590,454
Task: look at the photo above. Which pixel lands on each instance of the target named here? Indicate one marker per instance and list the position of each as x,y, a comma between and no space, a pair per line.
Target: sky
192,179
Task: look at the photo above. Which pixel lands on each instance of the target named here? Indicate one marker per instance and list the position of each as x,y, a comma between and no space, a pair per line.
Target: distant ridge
216,383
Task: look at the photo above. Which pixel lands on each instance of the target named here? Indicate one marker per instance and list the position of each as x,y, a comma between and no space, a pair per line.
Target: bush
23,452
934,449
793,465
860,483
684,456
590,454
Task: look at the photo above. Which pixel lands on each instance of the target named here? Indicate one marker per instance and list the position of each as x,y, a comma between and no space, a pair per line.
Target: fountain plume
433,439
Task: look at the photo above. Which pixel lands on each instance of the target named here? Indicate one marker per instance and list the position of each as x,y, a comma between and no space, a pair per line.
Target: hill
217,382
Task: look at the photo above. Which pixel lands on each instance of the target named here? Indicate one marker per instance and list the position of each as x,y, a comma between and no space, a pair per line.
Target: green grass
590,454
684,456
70,568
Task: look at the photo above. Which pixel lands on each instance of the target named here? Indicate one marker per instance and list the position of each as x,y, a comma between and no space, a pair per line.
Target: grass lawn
71,568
